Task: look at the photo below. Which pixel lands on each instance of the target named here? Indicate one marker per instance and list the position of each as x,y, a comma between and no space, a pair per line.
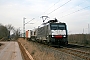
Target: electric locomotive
53,32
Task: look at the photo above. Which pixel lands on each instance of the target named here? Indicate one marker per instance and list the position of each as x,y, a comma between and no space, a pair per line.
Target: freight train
51,33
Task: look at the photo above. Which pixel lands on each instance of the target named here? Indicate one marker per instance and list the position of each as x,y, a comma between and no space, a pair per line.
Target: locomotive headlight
64,36
47,36
52,36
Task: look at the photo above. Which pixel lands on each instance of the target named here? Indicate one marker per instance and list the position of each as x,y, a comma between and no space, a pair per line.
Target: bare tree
9,27
17,33
3,31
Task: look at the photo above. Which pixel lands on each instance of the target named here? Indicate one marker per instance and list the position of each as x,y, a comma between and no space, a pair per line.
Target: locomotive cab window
57,27
53,27
61,27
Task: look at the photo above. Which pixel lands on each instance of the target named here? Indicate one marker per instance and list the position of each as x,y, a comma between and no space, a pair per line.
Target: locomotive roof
44,24
51,22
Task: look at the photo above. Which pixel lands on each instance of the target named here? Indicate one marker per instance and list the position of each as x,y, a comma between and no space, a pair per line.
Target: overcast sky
75,13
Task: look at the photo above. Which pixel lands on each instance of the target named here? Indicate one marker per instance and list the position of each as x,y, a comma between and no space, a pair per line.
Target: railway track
77,53
81,54
72,51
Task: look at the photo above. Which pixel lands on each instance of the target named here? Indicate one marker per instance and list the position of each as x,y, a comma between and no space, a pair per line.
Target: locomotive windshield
57,26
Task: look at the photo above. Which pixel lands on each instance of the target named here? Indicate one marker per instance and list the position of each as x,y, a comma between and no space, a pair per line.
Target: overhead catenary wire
62,6
78,5
30,21
70,8
52,6
59,7
75,11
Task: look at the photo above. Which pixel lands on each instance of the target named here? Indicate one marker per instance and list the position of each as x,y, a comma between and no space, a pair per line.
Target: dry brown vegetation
36,53
43,52
80,39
